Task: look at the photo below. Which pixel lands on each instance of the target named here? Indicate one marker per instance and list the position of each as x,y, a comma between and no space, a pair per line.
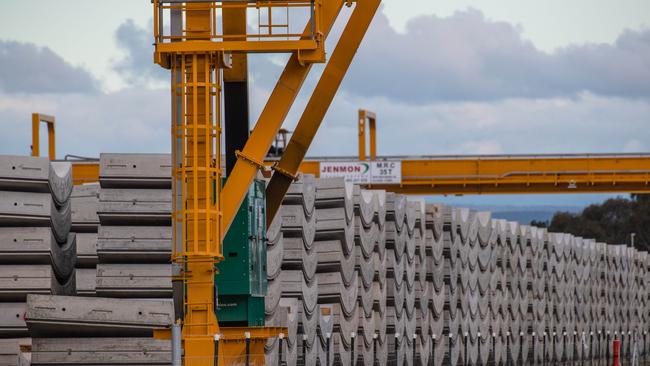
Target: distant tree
539,223
611,222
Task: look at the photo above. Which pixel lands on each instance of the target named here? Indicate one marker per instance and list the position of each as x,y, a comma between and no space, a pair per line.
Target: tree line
611,222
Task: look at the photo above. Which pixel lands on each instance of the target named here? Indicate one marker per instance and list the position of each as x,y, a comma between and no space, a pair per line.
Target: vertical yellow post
362,134
37,118
367,122
197,181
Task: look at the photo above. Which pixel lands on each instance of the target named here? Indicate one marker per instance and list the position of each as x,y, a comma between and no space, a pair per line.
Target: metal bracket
252,161
276,167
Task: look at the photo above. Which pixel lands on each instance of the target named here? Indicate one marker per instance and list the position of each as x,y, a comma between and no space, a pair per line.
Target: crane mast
202,43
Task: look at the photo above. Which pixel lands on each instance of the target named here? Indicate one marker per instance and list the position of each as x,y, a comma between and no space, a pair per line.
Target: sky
444,77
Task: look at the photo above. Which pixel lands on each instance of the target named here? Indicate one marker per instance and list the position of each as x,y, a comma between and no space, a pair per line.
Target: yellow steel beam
85,172
319,103
248,46
37,118
512,174
608,173
270,121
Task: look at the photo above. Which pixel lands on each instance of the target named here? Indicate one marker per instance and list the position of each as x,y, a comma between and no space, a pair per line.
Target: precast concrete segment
286,315
36,174
12,320
331,258
274,257
134,280
86,281
292,284
272,353
20,209
100,351
37,245
84,204
87,250
135,171
303,193
365,206
335,193
308,344
331,224
143,207
364,267
295,256
10,353
332,290
296,224
67,316
17,281
134,244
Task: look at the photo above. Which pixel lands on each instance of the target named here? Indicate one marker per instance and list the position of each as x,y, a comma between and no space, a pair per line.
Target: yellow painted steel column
269,122
37,118
197,179
319,103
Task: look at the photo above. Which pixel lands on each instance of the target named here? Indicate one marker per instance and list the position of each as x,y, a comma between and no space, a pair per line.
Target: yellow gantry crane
204,45
484,174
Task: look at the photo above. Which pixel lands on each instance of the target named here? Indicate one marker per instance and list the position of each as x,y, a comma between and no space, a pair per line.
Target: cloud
130,120
137,66
584,124
27,68
467,57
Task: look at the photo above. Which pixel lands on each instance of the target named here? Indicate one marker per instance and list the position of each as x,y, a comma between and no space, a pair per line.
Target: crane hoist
205,45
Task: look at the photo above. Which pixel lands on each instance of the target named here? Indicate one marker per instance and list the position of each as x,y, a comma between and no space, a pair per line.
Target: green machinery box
241,279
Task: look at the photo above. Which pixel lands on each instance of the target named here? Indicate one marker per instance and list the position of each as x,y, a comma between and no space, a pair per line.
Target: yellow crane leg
269,122
196,217
319,103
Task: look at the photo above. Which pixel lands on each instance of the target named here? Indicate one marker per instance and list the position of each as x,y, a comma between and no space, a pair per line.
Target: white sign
386,172
375,172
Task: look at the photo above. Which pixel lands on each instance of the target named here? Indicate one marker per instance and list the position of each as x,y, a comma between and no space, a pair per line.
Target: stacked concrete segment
37,249
102,331
369,253
134,236
292,280
84,205
338,280
358,277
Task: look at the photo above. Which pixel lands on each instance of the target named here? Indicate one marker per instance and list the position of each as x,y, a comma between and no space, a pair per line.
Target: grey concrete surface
17,281
134,280
37,245
62,316
135,170
36,174
20,209
12,320
101,351
134,244
135,207
84,203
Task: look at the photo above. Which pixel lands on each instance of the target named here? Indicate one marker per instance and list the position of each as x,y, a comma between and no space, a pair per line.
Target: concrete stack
358,277
422,289
98,331
11,353
37,249
134,239
368,229
85,222
435,280
291,268
396,258
338,281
